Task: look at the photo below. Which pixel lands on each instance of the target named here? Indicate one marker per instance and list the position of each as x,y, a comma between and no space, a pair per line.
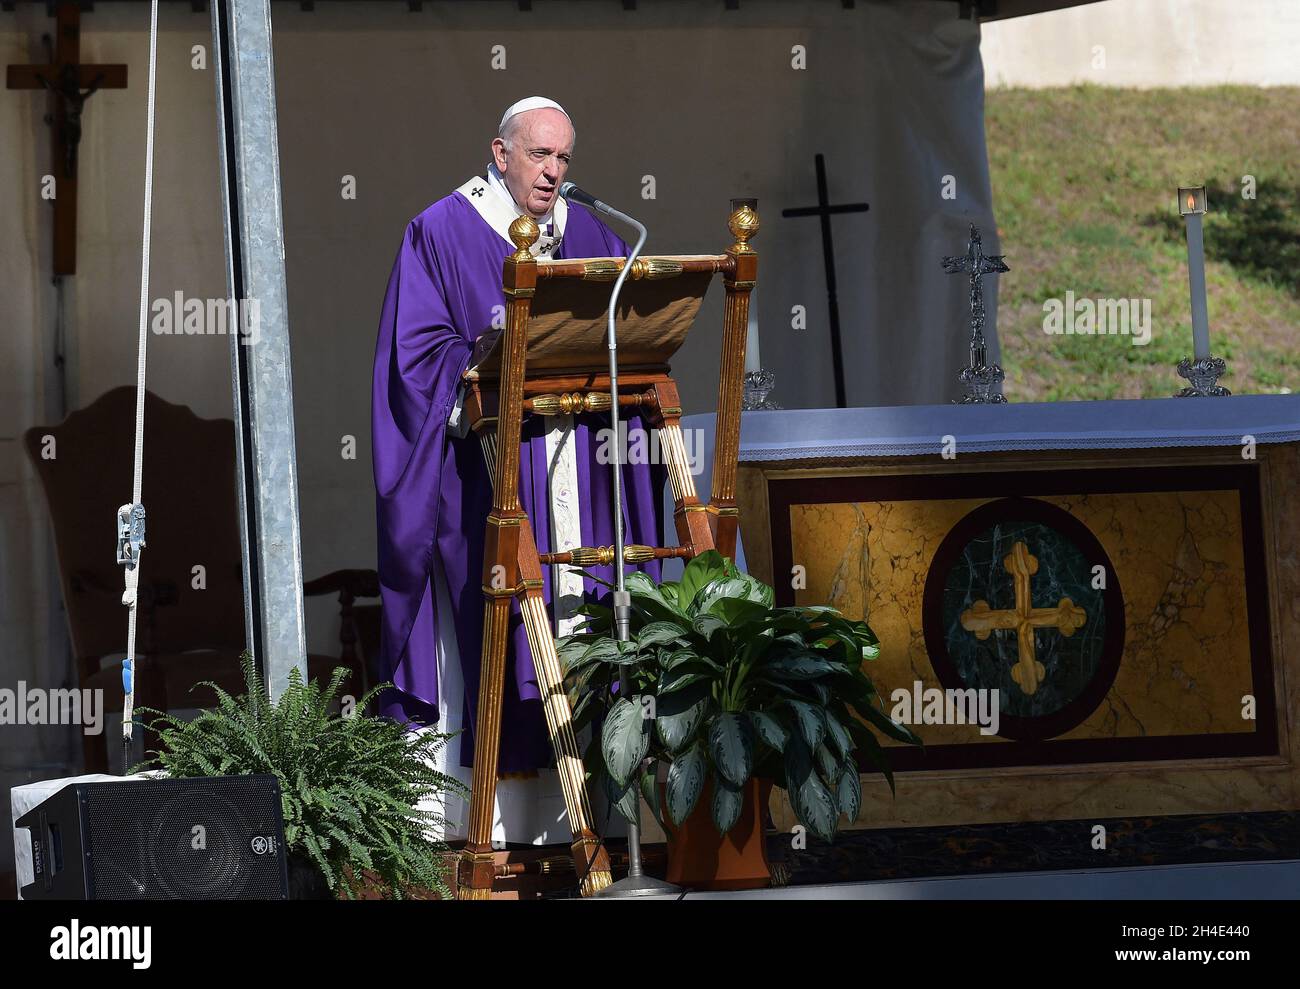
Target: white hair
511,127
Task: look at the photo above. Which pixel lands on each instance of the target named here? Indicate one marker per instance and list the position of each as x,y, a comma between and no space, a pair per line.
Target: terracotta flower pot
701,858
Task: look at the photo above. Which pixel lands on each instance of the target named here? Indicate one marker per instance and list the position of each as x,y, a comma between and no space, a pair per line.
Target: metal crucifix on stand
72,84
824,210
982,381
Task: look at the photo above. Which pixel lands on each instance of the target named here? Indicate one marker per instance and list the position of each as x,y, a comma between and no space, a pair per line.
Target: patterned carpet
909,853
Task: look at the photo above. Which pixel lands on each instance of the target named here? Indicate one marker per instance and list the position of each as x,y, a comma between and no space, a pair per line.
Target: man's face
537,163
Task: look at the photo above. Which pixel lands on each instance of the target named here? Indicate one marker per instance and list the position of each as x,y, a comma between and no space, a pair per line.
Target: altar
1120,577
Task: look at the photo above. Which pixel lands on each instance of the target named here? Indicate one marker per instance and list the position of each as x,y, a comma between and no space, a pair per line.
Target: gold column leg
589,856
735,319
476,863
501,577
690,518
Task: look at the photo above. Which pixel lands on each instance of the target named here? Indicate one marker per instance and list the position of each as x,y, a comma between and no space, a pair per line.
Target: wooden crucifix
824,210
71,84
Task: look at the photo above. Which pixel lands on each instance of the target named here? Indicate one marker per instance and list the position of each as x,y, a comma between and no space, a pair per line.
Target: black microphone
570,191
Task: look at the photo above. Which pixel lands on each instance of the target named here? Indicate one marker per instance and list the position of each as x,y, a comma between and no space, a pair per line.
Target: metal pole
636,883
259,339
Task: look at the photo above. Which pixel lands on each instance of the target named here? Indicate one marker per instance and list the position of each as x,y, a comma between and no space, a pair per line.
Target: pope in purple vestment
433,489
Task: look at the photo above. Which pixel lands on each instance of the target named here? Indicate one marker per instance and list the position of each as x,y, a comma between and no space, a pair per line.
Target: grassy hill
1084,182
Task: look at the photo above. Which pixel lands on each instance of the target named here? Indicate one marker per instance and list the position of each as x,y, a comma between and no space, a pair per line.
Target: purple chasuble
433,490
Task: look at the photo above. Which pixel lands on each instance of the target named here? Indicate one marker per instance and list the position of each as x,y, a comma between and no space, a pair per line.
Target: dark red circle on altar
973,524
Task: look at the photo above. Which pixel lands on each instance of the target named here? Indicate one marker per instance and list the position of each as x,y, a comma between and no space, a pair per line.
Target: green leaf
737,611
597,612
655,600
740,586
838,735
843,644
900,733
701,570
585,710
827,764
625,739
708,626
571,648
685,783
873,751
622,798
809,797
681,678
650,793
810,722
759,592
713,593
864,634
609,650
856,689
678,715
802,666
661,633
787,620
679,657
731,747
592,577
850,792
768,729
728,801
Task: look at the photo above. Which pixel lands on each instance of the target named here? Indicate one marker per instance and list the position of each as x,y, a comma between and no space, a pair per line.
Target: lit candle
1191,203
751,338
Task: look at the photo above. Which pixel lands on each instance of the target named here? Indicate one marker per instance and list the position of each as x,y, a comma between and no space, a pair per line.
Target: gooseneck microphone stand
637,883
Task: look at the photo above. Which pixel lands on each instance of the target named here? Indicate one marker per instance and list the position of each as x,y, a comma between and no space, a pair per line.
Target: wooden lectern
552,358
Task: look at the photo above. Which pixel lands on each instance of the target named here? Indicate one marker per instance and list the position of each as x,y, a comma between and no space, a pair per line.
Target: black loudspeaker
220,838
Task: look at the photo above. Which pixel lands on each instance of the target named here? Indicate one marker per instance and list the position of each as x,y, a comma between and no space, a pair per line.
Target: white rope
132,574
144,264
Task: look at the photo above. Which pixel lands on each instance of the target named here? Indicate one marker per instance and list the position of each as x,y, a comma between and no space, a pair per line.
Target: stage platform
1231,881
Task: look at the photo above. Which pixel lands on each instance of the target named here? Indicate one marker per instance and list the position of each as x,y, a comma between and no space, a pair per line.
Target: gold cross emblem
1028,672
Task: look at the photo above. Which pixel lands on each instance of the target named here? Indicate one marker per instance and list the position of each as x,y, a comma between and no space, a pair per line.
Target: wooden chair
190,624
552,357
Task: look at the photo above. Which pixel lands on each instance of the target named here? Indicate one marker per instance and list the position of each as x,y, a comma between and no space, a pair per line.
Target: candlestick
1196,281
1203,371
757,386
751,337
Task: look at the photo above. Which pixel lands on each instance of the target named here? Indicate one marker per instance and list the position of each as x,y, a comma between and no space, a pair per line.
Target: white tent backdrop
33,636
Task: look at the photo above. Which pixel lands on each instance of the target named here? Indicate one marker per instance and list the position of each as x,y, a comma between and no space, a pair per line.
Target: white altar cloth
916,430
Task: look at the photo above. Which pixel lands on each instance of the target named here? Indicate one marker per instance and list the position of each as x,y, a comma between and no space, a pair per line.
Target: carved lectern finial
524,233
743,226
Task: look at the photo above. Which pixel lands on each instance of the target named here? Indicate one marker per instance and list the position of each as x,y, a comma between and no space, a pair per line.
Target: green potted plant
732,696
349,783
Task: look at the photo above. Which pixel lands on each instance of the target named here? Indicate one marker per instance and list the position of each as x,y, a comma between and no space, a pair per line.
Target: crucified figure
68,89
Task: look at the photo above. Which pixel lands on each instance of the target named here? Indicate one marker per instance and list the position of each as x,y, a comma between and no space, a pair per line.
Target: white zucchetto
531,103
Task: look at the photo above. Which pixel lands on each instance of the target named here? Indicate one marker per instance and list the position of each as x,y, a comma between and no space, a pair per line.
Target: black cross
476,192
824,210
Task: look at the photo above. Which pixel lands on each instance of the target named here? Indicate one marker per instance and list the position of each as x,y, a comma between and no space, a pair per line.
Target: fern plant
349,784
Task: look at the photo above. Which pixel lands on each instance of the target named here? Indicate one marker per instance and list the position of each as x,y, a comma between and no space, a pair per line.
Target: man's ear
499,153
